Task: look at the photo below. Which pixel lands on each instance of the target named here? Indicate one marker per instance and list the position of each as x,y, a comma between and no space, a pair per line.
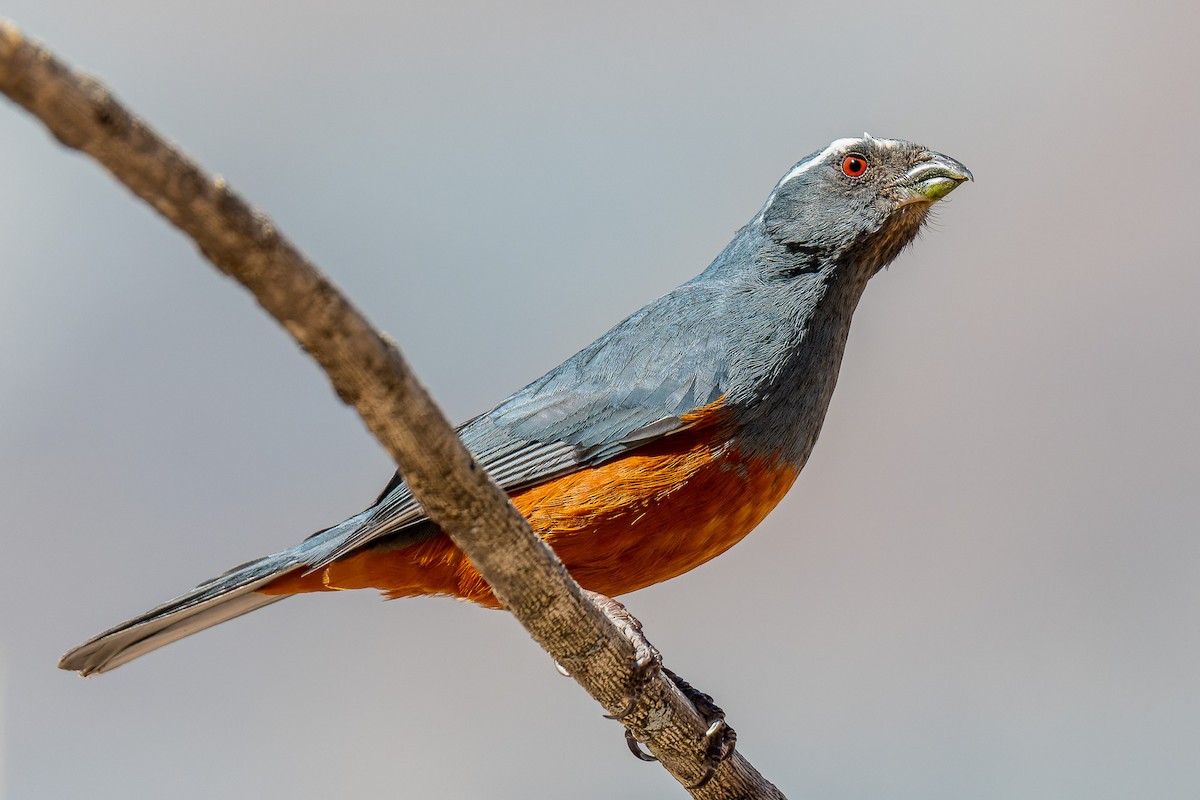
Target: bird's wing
638,383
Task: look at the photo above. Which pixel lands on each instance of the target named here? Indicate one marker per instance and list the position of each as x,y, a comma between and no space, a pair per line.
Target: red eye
854,166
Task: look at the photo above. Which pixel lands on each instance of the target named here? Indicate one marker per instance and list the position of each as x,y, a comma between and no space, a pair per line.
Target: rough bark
369,372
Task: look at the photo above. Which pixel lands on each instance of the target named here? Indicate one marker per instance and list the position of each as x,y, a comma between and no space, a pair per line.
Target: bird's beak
934,177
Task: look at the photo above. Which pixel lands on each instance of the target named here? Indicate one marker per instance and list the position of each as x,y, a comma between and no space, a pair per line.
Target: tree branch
368,372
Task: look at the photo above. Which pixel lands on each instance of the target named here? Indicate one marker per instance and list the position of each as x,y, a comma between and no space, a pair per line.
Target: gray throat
811,326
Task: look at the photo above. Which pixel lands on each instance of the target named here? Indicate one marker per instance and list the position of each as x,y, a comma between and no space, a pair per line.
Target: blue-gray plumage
695,412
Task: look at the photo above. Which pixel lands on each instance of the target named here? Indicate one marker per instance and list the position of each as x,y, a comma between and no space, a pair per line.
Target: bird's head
859,198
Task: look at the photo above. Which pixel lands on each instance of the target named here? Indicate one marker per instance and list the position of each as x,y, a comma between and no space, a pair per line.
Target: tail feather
234,593
215,601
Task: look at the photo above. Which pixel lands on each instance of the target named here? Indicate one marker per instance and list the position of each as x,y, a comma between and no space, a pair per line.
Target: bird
655,448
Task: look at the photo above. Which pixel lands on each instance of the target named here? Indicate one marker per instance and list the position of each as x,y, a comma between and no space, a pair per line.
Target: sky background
985,584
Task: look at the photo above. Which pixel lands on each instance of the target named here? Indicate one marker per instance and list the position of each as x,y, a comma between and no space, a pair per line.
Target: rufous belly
618,527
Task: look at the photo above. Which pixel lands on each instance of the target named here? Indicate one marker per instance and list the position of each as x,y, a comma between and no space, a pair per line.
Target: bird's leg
646,658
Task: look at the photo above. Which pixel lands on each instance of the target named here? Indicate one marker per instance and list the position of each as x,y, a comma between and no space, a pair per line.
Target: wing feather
632,386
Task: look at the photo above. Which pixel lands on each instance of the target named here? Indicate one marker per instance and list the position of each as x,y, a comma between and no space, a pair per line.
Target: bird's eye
854,165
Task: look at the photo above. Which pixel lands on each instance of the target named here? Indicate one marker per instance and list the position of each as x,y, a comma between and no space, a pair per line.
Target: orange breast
657,513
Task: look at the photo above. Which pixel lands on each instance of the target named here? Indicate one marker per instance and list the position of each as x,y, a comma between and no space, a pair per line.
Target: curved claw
635,747
720,740
643,669
630,701
709,772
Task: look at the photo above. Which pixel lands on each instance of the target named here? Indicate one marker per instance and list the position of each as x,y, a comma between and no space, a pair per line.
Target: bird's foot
646,658
719,740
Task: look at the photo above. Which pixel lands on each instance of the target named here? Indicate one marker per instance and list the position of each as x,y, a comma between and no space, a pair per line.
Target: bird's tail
222,598
225,597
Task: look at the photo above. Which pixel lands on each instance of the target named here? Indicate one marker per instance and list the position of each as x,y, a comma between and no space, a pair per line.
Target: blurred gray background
983,586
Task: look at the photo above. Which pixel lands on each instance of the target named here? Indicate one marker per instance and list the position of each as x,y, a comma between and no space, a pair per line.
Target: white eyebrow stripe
805,166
